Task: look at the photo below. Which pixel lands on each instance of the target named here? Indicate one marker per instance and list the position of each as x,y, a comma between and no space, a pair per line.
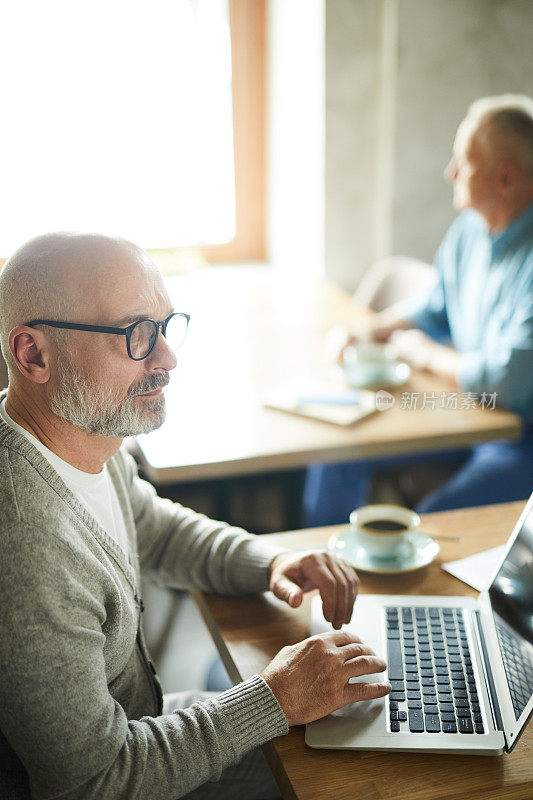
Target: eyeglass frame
127,332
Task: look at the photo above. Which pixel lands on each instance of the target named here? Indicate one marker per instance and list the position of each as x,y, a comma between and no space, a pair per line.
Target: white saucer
423,551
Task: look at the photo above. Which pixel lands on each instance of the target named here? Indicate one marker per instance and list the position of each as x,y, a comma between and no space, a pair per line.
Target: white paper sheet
477,570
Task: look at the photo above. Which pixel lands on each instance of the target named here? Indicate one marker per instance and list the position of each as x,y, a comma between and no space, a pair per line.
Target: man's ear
31,352
508,176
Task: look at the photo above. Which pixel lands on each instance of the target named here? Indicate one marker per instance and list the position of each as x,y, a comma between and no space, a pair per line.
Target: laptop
461,668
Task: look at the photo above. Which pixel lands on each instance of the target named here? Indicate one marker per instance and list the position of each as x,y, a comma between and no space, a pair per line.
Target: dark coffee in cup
388,525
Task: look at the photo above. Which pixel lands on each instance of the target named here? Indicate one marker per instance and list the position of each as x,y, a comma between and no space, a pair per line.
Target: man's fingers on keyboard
364,665
341,638
354,692
350,651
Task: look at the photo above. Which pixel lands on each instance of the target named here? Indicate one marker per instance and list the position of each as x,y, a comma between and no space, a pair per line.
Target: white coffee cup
383,530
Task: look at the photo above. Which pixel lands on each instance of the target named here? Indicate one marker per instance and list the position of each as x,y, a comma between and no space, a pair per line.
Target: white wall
295,155
364,100
450,52
399,77
354,101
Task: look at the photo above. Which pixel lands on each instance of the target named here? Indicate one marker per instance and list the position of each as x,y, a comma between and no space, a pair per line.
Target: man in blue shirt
482,302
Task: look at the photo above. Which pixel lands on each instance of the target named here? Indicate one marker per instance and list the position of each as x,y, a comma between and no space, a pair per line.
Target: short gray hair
508,119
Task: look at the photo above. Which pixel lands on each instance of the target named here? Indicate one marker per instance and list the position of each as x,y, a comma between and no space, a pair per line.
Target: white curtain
116,117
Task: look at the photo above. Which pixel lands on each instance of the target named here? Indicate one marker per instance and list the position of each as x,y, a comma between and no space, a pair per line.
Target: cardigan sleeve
183,549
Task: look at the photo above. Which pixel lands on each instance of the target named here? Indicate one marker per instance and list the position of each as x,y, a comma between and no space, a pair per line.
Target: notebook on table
339,407
461,668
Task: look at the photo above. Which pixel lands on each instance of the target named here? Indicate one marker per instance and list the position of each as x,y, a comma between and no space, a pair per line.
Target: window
118,118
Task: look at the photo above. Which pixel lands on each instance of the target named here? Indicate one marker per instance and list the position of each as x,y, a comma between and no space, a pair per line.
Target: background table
249,632
254,329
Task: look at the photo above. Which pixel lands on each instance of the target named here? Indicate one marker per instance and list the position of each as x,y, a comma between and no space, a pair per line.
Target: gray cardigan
80,705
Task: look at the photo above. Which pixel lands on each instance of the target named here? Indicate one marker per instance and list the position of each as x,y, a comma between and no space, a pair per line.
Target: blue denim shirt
483,302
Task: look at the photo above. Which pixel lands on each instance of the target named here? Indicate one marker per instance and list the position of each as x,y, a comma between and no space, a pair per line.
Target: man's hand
422,352
377,328
310,679
292,574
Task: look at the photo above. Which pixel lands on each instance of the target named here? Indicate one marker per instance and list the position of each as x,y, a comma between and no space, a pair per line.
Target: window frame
248,58
248,69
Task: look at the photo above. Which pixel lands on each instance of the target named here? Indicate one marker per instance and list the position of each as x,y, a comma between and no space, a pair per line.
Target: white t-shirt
95,492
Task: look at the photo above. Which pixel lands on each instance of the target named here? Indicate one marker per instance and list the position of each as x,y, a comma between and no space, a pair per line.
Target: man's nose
162,356
450,170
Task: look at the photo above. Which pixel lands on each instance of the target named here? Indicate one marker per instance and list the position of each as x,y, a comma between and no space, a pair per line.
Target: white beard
100,411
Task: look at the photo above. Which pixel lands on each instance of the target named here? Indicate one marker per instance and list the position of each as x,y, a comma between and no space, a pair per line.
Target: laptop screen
511,595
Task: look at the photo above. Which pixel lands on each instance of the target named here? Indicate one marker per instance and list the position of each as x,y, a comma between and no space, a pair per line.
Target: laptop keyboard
518,667
430,670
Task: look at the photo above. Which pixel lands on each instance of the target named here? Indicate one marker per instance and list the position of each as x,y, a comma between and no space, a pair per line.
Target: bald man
89,335
483,302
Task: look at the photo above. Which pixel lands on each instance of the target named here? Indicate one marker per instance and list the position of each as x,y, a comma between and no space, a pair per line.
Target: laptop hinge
487,671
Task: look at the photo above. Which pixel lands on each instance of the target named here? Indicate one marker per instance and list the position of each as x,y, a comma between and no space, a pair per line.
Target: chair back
393,279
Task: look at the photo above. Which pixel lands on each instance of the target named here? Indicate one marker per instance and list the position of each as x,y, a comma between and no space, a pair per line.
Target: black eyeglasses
141,336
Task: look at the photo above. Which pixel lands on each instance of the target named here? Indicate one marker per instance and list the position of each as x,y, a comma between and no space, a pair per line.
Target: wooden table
253,330
249,632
